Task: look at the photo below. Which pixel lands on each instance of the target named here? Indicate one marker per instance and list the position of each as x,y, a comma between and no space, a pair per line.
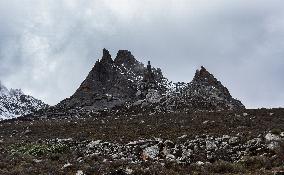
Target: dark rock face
111,83
126,59
207,92
126,81
204,92
204,78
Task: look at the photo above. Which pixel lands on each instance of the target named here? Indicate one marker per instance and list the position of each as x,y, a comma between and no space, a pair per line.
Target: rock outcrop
206,92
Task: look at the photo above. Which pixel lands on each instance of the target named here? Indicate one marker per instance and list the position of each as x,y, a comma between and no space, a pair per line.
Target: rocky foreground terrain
126,118
224,142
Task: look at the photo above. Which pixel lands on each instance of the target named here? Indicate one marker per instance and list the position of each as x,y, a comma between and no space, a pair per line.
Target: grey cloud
48,47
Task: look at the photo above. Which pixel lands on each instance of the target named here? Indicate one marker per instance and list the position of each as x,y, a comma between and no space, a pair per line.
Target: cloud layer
47,47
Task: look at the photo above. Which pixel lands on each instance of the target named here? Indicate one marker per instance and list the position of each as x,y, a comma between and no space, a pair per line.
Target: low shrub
280,152
276,131
38,149
256,162
222,167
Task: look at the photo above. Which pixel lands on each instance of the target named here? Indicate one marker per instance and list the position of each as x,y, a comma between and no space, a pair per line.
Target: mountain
14,103
208,89
113,82
127,118
204,92
126,83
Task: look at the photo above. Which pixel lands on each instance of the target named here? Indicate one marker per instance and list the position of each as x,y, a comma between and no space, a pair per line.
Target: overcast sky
47,47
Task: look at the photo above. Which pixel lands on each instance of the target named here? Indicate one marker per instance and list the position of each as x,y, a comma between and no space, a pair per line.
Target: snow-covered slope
14,103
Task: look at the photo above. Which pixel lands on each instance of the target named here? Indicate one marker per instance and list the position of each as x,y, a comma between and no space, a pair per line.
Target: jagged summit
206,92
111,83
106,57
125,57
124,80
204,77
127,62
202,73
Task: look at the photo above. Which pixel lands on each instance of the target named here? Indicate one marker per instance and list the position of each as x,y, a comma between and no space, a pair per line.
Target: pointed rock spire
204,77
106,57
126,58
149,76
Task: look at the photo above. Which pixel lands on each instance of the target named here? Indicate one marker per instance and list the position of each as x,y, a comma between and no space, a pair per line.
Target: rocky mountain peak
112,83
127,81
204,77
125,57
106,58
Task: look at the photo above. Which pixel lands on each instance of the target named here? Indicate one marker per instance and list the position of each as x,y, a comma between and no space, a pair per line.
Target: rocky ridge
14,103
126,83
112,83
